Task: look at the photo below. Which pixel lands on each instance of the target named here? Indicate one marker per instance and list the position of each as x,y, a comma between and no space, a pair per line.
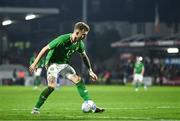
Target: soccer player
138,73
59,52
37,73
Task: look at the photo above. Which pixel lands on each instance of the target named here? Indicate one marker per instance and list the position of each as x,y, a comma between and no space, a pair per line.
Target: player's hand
92,75
32,68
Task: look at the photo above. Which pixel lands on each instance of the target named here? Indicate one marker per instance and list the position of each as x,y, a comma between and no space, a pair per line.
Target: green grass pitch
121,103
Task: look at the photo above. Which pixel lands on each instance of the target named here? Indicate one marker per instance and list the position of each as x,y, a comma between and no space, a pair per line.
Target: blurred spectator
20,77
161,75
138,73
38,72
107,77
15,75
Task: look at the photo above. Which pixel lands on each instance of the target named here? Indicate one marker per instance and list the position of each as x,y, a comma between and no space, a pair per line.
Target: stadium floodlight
6,22
30,16
172,50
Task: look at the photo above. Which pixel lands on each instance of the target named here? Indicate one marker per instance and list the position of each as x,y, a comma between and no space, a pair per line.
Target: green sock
136,85
43,96
37,81
83,92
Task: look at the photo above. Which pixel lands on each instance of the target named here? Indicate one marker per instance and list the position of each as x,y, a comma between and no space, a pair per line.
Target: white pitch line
120,118
91,117
123,108
135,108
108,117
31,109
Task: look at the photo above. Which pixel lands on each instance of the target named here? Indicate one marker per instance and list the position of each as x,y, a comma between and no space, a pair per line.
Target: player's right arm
32,68
53,44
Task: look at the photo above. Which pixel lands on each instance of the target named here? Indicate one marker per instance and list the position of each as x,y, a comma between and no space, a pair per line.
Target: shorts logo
52,69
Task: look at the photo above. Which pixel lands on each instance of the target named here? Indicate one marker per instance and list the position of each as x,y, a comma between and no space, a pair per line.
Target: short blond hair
82,26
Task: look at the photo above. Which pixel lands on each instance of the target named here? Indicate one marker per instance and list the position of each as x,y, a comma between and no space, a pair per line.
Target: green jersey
61,49
138,67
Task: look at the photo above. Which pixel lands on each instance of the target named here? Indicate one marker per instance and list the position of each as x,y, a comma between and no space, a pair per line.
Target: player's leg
83,92
136,83
58,82
37,80
145,86
141,79
70,74
52,78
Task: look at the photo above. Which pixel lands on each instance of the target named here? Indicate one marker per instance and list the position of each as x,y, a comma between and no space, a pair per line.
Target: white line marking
123,108
89,117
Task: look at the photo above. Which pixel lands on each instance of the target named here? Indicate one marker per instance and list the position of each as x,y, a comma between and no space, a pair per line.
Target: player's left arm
86,61
142,72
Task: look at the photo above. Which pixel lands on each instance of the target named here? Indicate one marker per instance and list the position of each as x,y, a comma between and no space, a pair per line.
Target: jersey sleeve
81,47
59,40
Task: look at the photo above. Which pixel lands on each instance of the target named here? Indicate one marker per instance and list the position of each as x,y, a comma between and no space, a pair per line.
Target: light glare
6,22
30,16
172,50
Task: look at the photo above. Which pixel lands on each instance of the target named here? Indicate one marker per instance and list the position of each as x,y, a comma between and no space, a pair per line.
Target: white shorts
65,70
138,77
38,72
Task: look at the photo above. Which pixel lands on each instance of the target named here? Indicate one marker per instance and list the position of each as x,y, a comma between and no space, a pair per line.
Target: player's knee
76,79
52,81
53,86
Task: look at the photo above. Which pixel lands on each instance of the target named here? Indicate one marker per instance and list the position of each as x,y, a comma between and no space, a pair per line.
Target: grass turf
121,103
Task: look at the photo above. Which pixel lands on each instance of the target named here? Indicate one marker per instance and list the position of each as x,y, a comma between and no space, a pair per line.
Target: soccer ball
88,106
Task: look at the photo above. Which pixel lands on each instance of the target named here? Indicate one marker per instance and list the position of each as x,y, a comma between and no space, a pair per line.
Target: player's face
137,59
79,35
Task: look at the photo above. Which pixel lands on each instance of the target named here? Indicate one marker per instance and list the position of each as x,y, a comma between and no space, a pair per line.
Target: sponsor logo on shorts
52,69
